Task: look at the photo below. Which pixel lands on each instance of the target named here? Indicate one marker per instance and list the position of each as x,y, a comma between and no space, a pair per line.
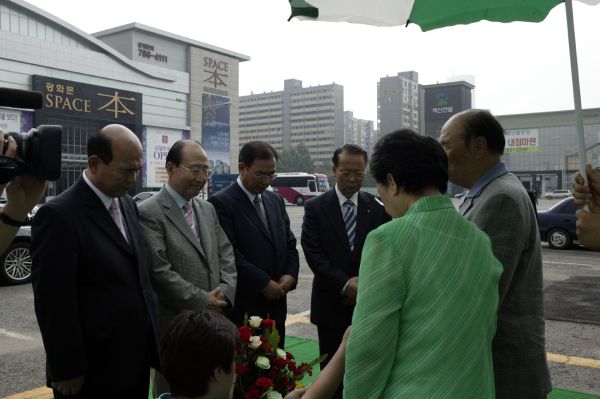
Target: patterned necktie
189,217
350,222
115,213
260,211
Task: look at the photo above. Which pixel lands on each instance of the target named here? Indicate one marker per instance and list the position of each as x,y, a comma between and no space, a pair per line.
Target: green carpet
306,350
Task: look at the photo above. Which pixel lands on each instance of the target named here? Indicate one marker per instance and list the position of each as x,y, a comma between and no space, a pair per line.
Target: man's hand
287,282
273,291
352,289
296,394
585,196
588,229
216,300
69,387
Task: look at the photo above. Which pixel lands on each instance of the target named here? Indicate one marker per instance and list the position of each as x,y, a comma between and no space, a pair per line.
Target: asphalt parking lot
572,289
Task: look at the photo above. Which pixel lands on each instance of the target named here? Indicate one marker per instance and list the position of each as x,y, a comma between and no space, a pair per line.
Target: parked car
557,194
15,262
557,224
144,195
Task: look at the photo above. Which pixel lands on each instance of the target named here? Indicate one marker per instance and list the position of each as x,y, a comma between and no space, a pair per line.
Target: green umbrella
433,14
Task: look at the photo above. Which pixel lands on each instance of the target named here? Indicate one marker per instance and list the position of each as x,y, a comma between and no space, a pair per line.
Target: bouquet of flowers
263,370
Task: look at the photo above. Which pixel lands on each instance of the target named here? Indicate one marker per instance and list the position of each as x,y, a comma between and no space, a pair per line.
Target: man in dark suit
93,299
334,230
258,227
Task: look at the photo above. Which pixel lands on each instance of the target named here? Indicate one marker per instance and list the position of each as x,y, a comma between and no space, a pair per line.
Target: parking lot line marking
569,264
12,334
39,393
46,393
296,319
574,360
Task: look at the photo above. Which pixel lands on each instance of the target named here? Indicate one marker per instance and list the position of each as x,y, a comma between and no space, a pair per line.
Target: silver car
557,194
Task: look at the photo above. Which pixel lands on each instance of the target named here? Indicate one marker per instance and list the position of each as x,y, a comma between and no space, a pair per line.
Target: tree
295,159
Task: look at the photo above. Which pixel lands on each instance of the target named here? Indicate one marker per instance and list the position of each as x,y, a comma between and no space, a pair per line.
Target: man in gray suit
193,265
498,203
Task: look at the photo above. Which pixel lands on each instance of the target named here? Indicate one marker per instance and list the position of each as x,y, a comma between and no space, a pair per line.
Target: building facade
441,101
542,149
162,86
398,102
313,116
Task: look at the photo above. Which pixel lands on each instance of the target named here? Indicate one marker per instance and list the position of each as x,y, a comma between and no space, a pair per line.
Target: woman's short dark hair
195,345
481,123
350,149
100,145
257,150
174,154
415,162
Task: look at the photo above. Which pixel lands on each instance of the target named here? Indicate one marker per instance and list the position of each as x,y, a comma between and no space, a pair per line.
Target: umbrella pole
576,91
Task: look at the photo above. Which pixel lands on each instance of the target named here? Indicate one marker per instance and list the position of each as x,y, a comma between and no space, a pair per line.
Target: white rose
255,342
274,395
255,321
281,353
263,363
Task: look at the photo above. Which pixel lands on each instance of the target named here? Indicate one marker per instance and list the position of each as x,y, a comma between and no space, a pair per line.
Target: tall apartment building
313,116
357,131
398,102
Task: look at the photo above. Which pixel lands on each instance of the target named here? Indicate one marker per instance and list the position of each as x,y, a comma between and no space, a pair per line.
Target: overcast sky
518,67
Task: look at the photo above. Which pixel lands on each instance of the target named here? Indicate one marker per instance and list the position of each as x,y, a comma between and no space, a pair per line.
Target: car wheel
559,239
15,263
548,197
299,200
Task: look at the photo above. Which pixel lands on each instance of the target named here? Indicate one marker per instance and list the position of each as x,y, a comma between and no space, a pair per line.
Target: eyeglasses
350,173
198,172
263,176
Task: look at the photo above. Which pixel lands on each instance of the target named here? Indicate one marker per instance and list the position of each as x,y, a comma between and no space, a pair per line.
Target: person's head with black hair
197,355
114,160
257,166
474,141
188,168
349,168
407,167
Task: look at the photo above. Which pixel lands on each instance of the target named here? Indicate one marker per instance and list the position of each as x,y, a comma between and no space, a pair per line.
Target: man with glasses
334,230
193,265
258,227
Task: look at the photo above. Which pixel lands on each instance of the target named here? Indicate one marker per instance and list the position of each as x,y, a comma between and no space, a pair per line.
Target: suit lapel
334,213
101,217
174,214
129,220
363,217
249,210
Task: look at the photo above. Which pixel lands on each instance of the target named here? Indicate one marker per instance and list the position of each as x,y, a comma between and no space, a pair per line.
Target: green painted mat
307,349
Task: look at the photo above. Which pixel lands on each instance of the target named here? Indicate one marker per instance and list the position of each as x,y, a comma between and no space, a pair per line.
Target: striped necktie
350,222
261,212
189,217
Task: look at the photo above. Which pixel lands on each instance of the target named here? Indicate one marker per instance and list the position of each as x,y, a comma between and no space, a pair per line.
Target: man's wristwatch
12,222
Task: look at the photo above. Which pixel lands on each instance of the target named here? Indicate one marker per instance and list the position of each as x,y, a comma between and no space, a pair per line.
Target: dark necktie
260,211
350,222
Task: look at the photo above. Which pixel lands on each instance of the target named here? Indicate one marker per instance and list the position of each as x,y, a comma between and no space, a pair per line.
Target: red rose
292,366
241,368
279,362
245,334
267,348
289,355
253,393
273,372
264,383
268,323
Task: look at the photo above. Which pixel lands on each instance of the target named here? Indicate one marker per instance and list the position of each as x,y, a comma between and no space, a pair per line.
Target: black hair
174,154
196,344
481,123
415,162
350,149
100,145
257,150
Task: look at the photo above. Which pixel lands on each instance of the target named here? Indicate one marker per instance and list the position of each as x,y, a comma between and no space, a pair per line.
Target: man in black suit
334,230
93,299
258,227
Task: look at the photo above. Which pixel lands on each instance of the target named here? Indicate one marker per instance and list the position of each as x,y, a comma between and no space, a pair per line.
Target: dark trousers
329,342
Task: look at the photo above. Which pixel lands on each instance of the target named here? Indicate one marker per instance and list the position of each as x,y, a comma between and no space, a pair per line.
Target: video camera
39,150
